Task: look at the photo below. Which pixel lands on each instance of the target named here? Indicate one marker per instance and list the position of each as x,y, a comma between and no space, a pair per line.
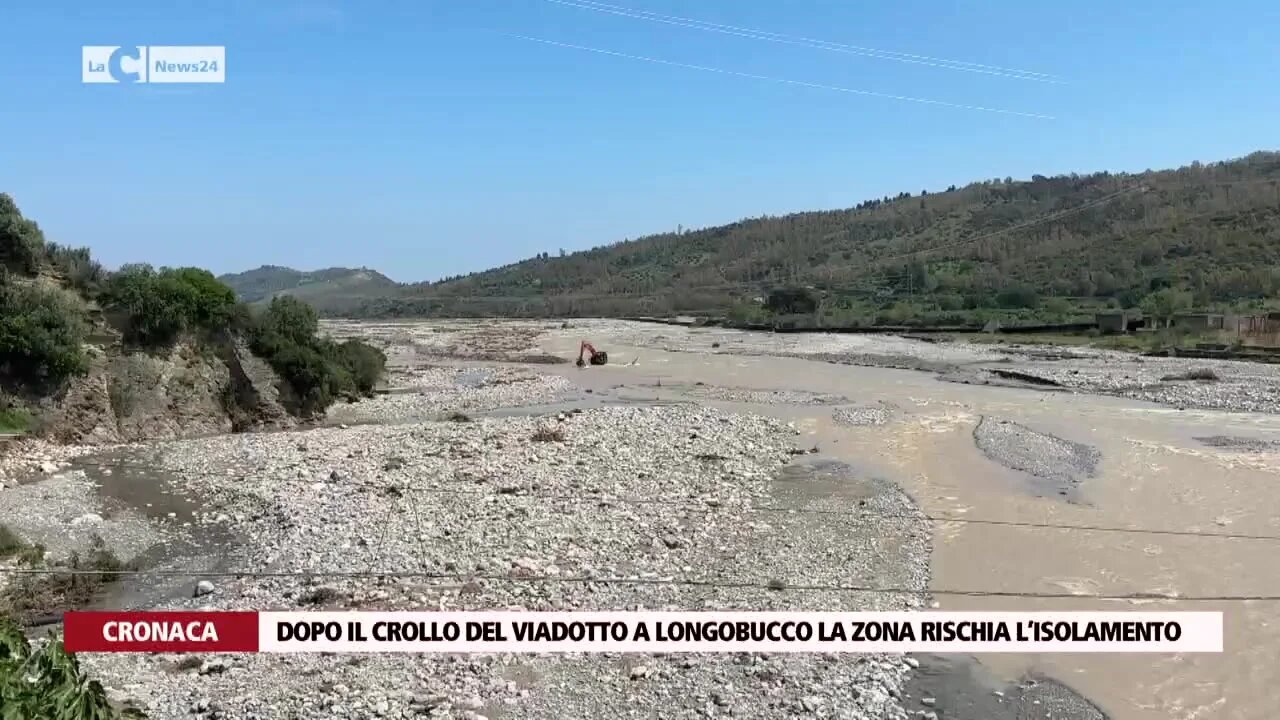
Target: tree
21,242
791,301
290,318
1164,304
1019,296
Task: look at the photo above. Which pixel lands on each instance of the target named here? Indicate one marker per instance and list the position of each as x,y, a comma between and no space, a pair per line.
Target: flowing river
1153,474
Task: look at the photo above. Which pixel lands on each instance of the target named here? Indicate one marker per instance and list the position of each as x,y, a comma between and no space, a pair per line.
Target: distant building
1116,321
1199,322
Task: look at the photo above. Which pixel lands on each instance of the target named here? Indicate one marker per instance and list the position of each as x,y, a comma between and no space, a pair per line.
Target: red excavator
596,357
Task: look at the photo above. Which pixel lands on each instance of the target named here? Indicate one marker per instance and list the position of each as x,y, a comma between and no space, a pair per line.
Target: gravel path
651,494
1060,465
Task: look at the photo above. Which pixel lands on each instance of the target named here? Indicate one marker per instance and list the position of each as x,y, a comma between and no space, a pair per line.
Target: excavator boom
588,354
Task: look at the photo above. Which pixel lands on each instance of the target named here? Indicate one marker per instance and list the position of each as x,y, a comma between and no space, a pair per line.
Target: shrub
62,588
15,419
1018,297
319,371
21,242
160,305
47,682
365,364
77,266
41,330
12,546
791,301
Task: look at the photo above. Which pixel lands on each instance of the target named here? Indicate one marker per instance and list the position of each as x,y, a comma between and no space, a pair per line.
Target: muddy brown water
1153,474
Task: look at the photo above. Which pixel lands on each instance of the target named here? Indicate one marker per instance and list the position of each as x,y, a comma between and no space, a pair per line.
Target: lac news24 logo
153,64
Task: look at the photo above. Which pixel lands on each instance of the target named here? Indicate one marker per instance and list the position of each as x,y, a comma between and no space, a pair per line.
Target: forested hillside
1047,246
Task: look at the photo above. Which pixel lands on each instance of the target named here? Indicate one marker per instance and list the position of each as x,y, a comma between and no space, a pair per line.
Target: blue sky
422,139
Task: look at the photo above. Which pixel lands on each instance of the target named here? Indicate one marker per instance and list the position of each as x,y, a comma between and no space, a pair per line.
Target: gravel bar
1060,465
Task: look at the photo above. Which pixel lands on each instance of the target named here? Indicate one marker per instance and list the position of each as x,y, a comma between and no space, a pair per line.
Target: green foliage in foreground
41,330
320,371
47,682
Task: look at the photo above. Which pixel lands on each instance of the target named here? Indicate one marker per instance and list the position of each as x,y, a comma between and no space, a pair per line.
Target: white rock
88,519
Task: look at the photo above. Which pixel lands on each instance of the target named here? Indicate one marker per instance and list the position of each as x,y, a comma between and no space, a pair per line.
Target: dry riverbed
493,474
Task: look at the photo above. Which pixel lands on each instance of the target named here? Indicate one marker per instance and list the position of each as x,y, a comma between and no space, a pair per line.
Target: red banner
177,632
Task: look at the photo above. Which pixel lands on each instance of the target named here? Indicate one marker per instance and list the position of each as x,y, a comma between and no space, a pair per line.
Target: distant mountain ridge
329,290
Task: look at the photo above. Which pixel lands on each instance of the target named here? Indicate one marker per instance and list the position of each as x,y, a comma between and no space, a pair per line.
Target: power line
587,580
809,42
785,81
705,507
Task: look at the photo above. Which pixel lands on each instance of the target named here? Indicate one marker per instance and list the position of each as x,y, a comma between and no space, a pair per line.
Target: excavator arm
588,354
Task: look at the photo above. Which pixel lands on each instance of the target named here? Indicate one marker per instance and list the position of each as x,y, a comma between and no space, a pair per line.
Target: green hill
329,290
1045,246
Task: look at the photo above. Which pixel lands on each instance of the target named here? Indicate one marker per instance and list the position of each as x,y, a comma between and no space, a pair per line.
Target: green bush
14,419
1020,296
319,371
290,319
365,363
47,682
21,241
791,301
41,330
77,266
160,305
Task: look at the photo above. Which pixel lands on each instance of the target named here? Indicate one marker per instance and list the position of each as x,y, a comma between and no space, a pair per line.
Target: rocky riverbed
422,498
612,508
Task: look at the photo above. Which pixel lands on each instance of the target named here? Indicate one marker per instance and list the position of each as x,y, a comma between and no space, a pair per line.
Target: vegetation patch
67,586
156,306
15,420
41,332
318,370
12,546
47,682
